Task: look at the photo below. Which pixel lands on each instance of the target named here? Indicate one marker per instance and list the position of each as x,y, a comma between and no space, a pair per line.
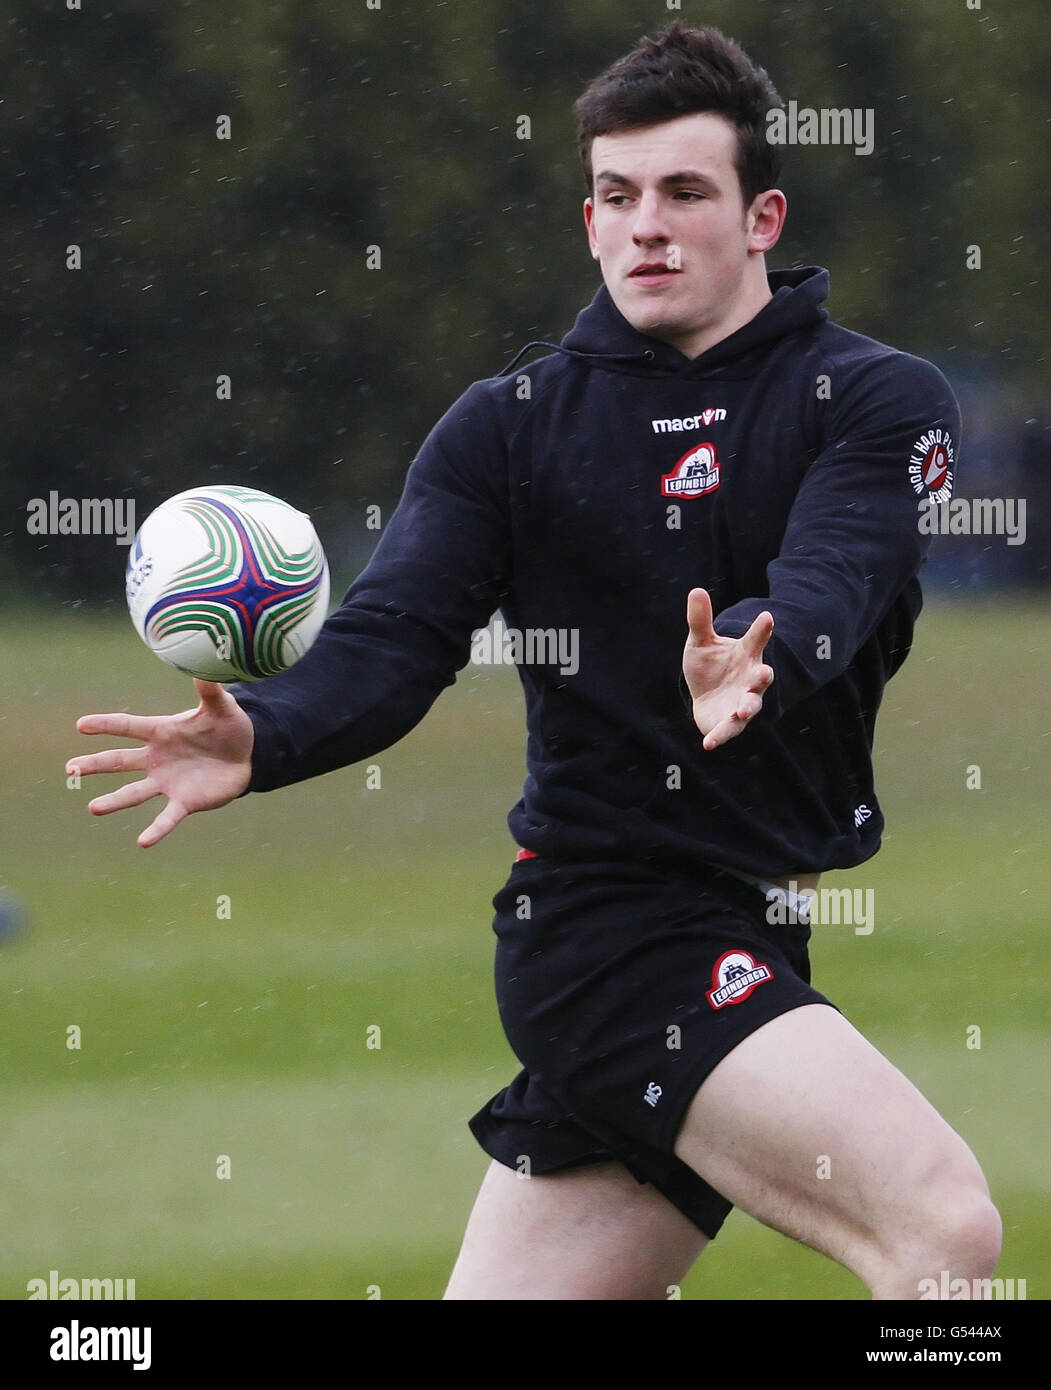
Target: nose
649,220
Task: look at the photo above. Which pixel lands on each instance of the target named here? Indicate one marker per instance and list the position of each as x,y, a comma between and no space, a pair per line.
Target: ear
766,220
589,222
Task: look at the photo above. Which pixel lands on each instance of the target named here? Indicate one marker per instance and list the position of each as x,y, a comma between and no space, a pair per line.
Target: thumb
210,692
699,617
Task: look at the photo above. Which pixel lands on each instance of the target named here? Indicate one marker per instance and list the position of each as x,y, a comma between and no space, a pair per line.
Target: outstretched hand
199,760
726,676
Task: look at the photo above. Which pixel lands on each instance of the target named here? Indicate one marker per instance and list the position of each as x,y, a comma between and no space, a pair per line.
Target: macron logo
688,422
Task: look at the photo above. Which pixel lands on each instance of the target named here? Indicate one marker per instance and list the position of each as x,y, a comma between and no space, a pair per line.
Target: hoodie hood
603,337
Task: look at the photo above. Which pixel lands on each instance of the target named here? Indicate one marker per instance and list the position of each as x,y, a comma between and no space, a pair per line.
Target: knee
955,1233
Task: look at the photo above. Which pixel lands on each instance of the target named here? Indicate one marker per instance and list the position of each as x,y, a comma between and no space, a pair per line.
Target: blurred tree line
398,127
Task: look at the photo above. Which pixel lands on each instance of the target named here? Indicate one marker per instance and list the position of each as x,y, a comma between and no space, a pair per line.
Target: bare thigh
810,1129
591,1232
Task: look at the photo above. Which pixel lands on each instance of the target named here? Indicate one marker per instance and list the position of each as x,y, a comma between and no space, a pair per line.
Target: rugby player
705,456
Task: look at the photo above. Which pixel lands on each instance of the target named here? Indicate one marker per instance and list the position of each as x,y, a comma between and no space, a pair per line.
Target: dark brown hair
676,73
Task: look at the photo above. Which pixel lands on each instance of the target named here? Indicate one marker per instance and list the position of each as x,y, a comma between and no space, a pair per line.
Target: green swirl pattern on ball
247,592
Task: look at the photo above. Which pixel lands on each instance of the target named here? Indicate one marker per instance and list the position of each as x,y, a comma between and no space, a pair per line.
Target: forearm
404,627
367,681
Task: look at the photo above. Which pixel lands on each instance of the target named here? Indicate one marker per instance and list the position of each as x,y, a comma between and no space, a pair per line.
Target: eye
613,197
688,193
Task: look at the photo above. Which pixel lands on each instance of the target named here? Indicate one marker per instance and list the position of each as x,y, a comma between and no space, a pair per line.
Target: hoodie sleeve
404,627
854,539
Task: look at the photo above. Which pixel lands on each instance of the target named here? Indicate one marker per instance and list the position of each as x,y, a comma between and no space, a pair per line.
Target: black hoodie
587,493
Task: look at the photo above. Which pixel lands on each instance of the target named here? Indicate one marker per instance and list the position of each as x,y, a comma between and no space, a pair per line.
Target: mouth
653,274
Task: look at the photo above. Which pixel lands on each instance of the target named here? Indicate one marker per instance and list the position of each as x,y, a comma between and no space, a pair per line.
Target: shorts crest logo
735,975
695,474
930,466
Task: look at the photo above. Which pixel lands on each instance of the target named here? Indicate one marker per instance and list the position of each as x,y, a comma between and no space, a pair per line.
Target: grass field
352,1166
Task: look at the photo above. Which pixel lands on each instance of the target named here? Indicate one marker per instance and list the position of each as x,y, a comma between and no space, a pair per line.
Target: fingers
113,760
134,794
723,733
714,738
120,725
702,627
757,636
750,705
166,822
764,681
699,617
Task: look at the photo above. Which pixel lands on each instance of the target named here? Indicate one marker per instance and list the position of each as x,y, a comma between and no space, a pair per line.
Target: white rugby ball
227,583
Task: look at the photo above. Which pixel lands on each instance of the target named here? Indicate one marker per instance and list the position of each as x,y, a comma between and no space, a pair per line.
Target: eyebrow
683,176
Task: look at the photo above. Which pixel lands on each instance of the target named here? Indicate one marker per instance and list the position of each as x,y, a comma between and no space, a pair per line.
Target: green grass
351,1166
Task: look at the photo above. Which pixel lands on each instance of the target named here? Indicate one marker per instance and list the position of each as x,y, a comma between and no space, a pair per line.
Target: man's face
669,195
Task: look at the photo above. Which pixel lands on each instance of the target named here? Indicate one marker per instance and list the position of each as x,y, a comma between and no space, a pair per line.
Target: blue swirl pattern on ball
246,590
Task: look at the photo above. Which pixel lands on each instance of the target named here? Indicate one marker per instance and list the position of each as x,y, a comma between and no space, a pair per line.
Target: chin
641,316
654,325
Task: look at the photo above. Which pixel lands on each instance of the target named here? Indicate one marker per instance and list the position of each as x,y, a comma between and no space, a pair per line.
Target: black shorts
620,986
